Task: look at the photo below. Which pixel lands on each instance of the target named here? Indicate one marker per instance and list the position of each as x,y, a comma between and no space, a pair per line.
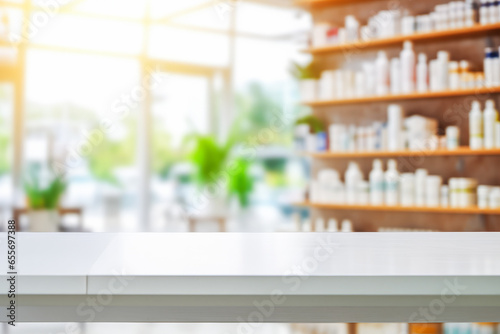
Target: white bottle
497,134
391,183
382,74
490,117
420,177
433,190
395,136
498,12
452,15
469,13
370,78
359,83
495,69
453,76
320,225
483,12
492,11
407,189
395,76
407,68
452,137
483,193
353,176
444,200
352,28
433,75
333,225
443,58
377,183
363,197
346,226
494,198
460,14
488,67
422,85
475,127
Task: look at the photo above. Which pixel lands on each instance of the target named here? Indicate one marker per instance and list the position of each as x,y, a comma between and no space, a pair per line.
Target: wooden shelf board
461,151
468,210
321,3
460,32
400,97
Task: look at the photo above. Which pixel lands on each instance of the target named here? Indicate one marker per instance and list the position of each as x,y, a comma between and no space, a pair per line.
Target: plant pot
215,206
43,220
308,89
206,204
243,216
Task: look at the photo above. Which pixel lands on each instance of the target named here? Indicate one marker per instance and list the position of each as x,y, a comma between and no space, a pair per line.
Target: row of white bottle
336,328
401,328
407,75
452,15
416,133
382,188
389,23
471,328
484,127
400,75
320,224
402,229
398,133
489,12
393,188
352,138
488,197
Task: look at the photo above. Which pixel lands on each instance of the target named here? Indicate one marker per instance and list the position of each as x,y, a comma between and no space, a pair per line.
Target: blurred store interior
118,98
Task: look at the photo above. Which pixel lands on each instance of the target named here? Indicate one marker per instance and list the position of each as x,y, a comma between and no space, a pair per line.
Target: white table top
235,265
257,254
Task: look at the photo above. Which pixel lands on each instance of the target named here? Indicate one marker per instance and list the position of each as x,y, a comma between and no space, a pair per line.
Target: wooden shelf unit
477,29
402,97
461,151
463,43
449,210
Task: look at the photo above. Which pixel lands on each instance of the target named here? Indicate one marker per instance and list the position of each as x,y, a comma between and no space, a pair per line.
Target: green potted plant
241,182
43,196
209,158
308,76
218,174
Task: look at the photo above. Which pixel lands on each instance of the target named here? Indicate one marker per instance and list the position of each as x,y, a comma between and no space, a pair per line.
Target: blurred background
157,115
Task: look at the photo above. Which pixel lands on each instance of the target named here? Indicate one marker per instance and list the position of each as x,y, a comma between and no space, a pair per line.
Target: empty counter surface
227,277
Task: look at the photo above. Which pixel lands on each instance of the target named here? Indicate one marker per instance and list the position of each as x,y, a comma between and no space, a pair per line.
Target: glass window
271,65
213,17
129,9
83,33
6,147
10,33
161,8
83,125
187,46
272,21
181,107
